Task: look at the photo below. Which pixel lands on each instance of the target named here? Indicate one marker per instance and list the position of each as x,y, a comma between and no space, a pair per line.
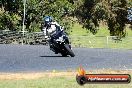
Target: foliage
114,12
89,13
12,13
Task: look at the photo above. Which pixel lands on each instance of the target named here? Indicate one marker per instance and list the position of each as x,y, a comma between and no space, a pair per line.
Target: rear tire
70,52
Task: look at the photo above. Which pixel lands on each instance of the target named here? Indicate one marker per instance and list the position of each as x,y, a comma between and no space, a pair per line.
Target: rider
51,28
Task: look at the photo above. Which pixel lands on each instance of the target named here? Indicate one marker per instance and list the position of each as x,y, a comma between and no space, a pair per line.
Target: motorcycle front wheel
69,51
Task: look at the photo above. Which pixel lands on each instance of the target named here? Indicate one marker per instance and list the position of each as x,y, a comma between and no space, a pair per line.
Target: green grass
83,38
103,31
55,82
78,30
100,42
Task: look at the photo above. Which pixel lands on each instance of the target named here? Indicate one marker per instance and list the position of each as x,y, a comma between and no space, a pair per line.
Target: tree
89,13
10,11
35,11
114,12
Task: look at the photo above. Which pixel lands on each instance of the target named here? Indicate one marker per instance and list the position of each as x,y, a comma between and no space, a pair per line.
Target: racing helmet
48,20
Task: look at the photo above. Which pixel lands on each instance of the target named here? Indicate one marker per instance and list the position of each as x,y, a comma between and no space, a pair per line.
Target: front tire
64,54
70,52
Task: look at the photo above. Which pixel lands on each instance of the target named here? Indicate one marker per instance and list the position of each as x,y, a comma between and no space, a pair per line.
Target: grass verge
53,80
100,42
84,38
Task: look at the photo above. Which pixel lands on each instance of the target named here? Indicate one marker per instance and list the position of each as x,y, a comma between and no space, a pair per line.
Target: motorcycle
61,45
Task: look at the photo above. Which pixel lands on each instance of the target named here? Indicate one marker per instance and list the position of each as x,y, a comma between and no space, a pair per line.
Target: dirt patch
110,71
18,76
34,75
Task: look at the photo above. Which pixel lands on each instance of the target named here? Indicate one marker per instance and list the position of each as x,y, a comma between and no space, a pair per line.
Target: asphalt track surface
35,58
